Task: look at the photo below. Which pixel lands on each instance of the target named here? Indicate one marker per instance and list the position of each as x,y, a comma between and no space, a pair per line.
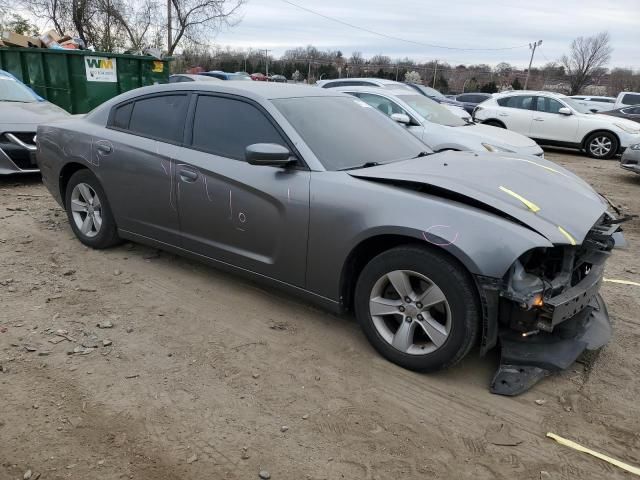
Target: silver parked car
313,191
437,127
21,111
631,159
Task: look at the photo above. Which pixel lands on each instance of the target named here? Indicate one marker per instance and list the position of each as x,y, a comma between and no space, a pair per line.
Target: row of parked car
334,196
545,118
512,122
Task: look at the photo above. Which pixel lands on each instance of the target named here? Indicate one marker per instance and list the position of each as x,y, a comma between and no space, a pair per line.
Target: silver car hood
33,113
537,193
499,136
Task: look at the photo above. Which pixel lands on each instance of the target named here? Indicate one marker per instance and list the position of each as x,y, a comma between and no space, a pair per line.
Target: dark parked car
278,78
225,75
21,111
630,113
471,100
435,253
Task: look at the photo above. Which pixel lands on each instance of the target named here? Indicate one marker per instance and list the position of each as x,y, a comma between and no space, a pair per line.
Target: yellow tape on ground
601,456
530,205
623,282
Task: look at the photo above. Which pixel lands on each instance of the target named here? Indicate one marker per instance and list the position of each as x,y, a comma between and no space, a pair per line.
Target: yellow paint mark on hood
530,205
572,240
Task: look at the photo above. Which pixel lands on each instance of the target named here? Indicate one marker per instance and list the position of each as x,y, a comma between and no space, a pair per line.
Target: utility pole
169,40
435,72
266,57
309,74
532,47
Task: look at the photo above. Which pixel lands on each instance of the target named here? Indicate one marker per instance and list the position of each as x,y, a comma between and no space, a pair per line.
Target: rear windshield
345,132
631,99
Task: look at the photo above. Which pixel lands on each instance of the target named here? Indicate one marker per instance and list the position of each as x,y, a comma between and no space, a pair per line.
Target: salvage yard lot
204,375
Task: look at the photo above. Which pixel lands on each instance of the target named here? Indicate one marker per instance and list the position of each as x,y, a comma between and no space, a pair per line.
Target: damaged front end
549,310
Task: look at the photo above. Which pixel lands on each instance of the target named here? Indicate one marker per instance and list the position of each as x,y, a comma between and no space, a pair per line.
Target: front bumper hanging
524,360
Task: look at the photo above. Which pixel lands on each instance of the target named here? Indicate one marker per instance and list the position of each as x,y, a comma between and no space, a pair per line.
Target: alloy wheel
410,312
86,210
600,146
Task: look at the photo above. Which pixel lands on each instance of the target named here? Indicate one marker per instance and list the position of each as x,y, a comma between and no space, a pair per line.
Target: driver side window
383,104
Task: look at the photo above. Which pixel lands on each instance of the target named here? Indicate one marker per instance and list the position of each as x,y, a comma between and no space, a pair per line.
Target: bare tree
588,56
196,18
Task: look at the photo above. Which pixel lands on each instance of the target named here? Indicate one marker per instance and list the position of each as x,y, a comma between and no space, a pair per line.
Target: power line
391,37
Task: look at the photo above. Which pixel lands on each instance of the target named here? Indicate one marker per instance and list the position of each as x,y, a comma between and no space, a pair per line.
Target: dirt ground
203,375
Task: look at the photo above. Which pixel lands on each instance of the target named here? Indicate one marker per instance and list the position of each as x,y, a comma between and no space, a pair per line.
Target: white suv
557,120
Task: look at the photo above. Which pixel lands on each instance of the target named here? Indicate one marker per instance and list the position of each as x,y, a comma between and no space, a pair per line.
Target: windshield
432,111
345,132
13,91
577,105
430,92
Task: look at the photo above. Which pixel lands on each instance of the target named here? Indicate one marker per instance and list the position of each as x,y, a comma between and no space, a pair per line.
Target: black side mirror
268,154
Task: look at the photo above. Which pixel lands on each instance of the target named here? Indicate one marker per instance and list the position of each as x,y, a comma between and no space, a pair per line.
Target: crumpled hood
34,113
540,194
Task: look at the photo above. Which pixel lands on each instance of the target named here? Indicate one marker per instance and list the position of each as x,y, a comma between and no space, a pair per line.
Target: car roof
378,90
530,92
196,77
379,81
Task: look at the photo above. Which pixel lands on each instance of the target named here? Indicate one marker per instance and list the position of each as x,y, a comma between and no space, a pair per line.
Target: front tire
89,212
601,145
418,308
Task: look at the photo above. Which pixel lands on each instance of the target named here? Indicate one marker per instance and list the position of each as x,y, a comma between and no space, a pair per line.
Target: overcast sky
278,26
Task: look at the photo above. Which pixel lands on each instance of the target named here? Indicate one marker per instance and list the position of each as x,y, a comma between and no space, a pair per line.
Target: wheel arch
599,130
374,245
66,173
495,120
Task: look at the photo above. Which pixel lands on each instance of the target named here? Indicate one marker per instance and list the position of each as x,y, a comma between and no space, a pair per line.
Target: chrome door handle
188,175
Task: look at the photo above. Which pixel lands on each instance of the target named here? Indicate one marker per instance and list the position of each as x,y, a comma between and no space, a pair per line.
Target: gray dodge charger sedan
315,192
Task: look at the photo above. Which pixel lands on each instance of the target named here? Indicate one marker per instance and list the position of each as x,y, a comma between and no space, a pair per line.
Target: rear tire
436,323
89,212
601,145
494,123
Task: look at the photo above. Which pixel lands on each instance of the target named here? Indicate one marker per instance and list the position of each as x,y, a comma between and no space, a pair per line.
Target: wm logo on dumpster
100,69
105,63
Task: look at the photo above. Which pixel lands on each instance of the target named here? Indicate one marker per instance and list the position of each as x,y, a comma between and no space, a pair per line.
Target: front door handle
188,175
538,119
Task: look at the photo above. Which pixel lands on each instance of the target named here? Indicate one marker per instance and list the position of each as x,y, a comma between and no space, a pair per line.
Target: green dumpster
79,80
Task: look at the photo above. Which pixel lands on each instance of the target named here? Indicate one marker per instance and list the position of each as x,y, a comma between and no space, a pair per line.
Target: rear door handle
539,119
188,175
104,148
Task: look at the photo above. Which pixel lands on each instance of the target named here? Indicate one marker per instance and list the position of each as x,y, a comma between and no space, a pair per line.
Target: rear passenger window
225,127
121,116
518,101
160,117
